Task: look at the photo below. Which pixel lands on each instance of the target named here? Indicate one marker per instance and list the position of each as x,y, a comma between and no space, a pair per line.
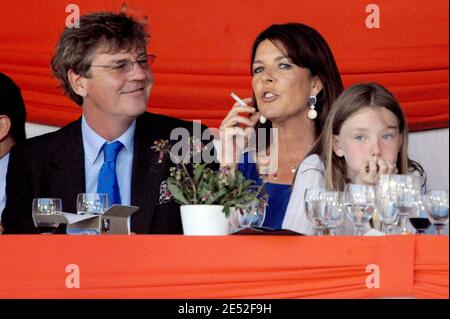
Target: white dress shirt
93,159
3,168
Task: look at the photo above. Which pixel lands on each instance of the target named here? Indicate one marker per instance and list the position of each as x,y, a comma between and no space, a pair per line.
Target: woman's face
281,87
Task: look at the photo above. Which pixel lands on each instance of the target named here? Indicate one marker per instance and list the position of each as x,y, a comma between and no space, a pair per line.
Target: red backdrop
203,50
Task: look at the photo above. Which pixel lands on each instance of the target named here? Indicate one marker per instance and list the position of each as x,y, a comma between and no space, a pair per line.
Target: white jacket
311,173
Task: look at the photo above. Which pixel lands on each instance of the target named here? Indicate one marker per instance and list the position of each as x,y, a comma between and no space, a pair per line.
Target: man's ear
317,86
77,82
337,147
5,126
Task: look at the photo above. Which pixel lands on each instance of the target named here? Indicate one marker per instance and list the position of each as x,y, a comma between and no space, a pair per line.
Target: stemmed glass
333,210
406,192
418,217
313,209
258,213
250,216
436,205
42,207
360,202
92,203
385,203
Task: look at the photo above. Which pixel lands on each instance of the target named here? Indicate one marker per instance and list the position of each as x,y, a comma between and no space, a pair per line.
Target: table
175,266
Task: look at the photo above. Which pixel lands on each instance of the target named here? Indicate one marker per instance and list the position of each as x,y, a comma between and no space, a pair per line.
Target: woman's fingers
255,117
230,119
232,122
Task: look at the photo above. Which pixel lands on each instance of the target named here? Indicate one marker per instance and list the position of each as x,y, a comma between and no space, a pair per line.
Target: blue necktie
107,178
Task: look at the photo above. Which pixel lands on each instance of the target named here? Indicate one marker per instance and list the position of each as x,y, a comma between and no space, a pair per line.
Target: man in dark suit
104,67
12,128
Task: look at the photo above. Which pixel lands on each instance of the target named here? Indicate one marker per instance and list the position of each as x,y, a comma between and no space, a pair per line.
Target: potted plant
207,196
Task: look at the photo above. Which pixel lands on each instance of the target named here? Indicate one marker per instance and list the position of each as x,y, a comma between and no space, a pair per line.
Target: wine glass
360,203
419,218
385,204
313,209
92,203
406,191
436,205
258,213
252,215
42,207
333,210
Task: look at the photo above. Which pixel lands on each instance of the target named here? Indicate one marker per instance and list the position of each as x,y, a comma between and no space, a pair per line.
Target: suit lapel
68,177
146,177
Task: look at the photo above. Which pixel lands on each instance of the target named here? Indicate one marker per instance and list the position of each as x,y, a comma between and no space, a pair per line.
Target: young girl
364,137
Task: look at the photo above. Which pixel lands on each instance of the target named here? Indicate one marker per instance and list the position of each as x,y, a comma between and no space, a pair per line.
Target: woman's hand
372,169
235,131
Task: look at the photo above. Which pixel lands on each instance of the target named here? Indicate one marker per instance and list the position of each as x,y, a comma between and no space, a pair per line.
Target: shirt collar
93,143
3,166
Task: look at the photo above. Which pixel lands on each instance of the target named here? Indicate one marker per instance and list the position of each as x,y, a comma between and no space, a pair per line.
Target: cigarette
238,99
262,119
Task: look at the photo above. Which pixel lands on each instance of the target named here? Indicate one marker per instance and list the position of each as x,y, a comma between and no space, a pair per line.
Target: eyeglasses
127,65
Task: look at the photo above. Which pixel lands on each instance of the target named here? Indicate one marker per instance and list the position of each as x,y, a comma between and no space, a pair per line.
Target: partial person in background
104,67
295,80
364,137
12,128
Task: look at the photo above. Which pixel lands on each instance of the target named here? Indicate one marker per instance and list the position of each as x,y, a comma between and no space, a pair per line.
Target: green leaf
177,193
198,173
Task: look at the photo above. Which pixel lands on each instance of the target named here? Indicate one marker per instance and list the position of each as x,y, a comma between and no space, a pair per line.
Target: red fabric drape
182,267
203,50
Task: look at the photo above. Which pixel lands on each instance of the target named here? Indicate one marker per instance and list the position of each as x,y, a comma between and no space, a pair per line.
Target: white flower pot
205,220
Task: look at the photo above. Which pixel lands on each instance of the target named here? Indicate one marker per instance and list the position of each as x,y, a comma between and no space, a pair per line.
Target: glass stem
403,219
389,229
319,231
359,230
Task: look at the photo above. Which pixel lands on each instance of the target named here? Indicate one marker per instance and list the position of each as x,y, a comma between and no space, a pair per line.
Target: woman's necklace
292,168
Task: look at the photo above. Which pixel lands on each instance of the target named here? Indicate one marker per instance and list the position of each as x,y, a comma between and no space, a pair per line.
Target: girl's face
369,133
281,87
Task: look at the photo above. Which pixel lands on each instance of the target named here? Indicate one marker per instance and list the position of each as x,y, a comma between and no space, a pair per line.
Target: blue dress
279,194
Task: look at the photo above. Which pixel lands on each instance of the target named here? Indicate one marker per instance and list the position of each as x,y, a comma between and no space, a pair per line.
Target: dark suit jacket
52,165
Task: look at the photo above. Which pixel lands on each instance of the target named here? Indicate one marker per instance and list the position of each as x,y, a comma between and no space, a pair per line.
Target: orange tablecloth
169,266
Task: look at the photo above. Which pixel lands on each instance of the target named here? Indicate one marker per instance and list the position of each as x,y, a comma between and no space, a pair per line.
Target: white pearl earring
262,119
312,113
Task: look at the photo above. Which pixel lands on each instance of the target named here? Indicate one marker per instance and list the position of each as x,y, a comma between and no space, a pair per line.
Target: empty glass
251,216
333,210
92,203
405,190
313,209
45,206
385,202
258,209
360,203
436,205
